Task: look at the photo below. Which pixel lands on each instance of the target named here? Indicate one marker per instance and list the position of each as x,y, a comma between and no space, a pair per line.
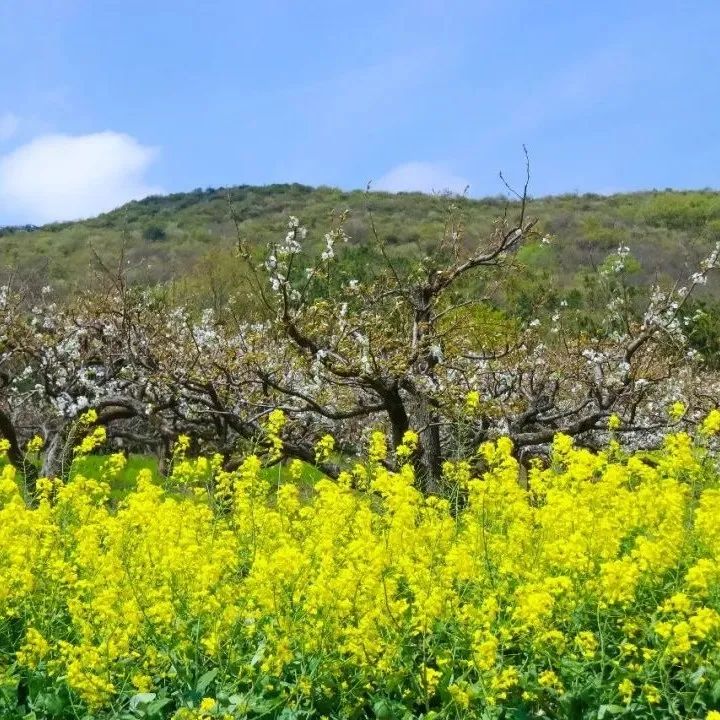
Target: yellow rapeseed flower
364,588
35,444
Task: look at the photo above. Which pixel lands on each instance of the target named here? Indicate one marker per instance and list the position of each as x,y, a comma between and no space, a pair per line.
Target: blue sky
105,100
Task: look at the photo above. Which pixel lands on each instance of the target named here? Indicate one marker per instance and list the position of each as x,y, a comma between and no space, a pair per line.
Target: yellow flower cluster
598,585
378,446
324,448
409,445
472,401
89,417
91,442
677,410
273,427
35,444
711,424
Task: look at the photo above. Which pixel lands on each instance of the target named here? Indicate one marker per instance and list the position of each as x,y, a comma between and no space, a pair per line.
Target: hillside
182,235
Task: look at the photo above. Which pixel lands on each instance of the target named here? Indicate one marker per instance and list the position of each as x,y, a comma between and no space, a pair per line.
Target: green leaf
385,709
697,676
715,692
205,680
610,709
260,705
288,714
50,703
156,706
141,699
258,656
520,714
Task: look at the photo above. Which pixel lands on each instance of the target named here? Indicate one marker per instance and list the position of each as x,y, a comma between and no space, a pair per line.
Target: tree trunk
399,421
425,419
56,461
16,455
7,431
430,458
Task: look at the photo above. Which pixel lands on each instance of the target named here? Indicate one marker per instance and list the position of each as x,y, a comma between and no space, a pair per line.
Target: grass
126,481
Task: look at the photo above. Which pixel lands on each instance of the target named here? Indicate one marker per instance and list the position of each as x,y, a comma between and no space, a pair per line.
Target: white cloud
9,123
63,177
421,177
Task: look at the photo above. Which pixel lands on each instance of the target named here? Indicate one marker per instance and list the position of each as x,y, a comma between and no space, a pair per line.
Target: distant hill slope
167,237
